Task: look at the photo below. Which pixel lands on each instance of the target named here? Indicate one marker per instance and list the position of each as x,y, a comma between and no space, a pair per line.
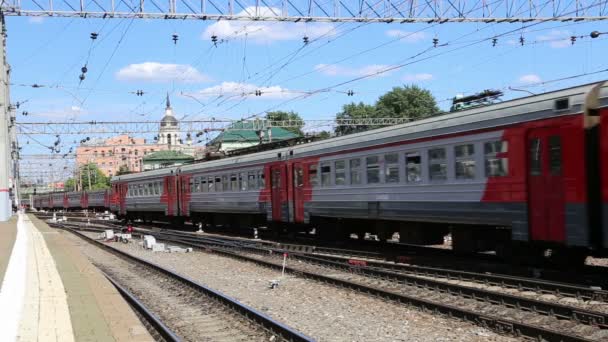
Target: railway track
369,261
158,330
194,309
497,310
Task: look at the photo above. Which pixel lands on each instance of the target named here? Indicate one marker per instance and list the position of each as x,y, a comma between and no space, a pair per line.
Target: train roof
513,111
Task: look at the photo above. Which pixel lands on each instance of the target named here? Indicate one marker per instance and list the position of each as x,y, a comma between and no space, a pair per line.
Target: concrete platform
50,292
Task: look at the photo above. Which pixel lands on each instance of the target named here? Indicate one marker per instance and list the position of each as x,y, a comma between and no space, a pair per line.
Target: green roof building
237,138
162,159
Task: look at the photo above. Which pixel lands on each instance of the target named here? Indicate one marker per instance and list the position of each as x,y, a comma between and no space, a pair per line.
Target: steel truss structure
387,11
194,126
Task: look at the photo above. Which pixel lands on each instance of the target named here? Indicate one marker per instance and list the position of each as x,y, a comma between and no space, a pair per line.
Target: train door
169,195
298,192
278,179
184,195
546,202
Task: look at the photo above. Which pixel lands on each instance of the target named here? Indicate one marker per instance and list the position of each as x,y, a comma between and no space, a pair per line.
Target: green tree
407,102
123,170
92,178
285,116
70,184
323,135
354,111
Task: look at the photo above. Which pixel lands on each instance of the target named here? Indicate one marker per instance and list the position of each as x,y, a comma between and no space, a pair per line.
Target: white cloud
236,90
35,20
160,73
556,38
266,31
366,70
530,78
407,36
76,109
418,77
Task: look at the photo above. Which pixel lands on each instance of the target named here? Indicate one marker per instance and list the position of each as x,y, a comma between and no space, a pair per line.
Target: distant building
123,150
162,159
237,138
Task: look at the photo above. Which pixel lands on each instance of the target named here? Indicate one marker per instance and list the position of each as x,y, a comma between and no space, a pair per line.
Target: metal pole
89,173
5,155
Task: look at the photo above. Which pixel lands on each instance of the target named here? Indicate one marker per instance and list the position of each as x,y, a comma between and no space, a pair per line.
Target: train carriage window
312,175
192,184
299,177
355,171
555,154
251,180
391,168
496,161
157,188
261,180
234,185
243,181
373,169
340,167
211,184
438,169
219,186
226,183
413,170
141,189
465,161
325,174
204,186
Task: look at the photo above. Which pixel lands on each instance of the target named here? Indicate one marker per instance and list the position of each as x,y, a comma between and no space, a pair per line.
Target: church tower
169,133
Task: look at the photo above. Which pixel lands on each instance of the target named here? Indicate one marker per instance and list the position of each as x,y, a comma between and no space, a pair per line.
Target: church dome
168,121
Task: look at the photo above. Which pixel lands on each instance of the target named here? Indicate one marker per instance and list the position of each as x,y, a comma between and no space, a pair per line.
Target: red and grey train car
149,195
530,173
75,200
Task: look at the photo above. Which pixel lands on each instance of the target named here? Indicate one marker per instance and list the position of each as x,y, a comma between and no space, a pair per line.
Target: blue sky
133,55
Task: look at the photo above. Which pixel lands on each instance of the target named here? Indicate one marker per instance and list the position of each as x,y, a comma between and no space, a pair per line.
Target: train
522,177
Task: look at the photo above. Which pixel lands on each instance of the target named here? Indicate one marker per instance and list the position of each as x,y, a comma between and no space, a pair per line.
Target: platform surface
51,292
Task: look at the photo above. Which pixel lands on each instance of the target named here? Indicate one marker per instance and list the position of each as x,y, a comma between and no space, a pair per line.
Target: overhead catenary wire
403,63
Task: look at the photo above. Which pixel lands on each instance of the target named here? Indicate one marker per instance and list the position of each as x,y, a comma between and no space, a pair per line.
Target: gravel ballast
324,312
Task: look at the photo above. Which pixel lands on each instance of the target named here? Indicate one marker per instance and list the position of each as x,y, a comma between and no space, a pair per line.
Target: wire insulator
94,35
305,40
84,69
494,41
435,42
175,38
595,34
572,40
522,40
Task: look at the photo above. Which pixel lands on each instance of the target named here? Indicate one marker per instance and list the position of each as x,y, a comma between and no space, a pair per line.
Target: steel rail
520,283
500,325
166,333
516,282
285,332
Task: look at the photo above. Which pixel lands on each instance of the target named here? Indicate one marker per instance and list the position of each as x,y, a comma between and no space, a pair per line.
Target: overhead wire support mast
142,127
399,11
